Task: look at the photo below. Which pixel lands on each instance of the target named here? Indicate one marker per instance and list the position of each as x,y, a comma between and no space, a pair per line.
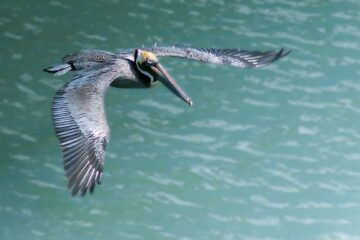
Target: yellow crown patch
148,55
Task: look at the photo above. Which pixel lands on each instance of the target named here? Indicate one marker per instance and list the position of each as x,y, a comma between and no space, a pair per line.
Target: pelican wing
80,123
234,57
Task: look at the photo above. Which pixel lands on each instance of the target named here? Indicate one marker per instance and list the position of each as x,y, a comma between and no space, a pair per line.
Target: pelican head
148,64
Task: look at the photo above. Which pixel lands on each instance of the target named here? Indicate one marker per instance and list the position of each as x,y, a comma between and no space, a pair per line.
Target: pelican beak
170,83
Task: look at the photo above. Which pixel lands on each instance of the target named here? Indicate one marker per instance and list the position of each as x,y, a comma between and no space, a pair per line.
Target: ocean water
268,153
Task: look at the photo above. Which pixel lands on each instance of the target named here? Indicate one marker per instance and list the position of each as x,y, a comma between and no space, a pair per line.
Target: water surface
267,153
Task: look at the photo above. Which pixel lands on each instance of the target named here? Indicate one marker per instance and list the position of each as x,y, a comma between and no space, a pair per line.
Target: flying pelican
78,111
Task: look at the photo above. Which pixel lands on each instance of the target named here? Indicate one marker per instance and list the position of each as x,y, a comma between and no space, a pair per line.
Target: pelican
78,111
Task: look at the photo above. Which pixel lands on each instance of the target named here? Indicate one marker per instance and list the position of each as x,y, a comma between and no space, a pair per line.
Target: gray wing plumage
234,57
84,59
80,123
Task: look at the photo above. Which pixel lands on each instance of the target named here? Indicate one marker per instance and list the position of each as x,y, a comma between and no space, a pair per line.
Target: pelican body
78,110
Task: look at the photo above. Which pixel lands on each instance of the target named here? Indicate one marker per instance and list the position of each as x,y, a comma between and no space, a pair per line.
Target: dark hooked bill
170,83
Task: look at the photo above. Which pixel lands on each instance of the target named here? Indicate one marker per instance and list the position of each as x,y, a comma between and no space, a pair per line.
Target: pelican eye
150,62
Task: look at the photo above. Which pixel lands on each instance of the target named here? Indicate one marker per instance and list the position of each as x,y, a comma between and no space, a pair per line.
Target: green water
269,153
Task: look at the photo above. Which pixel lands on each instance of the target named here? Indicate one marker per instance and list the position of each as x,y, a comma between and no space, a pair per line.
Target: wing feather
235,57
80,124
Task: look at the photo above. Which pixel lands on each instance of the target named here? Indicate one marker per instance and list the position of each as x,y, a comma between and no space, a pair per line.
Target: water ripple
264,222
170,199
167,107
311,221
163,180
266,203
222,124
339,236
258,103
204,156
43,184
311,205
192,138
